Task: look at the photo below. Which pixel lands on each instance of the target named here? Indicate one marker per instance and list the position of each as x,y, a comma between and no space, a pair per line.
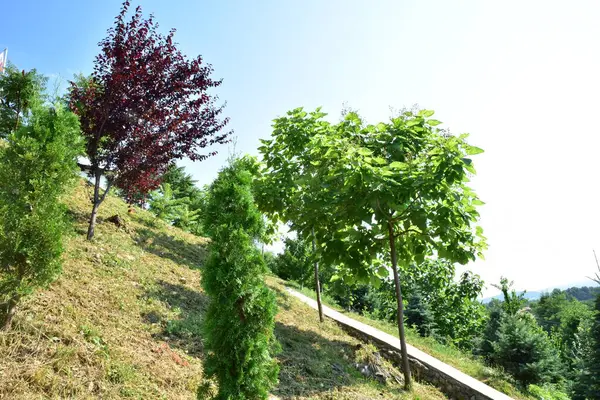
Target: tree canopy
145,105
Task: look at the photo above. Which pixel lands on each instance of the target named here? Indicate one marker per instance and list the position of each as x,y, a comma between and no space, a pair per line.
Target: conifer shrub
526,351
239,320
36,167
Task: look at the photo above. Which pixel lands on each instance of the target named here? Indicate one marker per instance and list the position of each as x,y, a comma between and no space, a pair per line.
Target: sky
522,77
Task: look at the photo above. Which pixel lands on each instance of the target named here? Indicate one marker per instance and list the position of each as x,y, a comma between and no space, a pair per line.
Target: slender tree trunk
7,312
96,204
98,199
317,283
405,364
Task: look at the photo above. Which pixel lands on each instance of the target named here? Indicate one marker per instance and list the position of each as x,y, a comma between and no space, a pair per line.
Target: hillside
123,321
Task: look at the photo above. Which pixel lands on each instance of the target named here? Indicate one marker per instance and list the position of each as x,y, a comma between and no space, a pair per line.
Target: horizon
519,77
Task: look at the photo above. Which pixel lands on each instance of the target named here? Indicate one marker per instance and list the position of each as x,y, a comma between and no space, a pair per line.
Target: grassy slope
450,355
123,320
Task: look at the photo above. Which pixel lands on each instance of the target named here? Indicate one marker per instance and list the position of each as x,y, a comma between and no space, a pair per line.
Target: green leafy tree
240,317
36,169
295,263
282,191
19,92
396,192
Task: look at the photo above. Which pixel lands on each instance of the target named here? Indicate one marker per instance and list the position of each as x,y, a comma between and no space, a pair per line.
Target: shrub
35,170
525,350
240,317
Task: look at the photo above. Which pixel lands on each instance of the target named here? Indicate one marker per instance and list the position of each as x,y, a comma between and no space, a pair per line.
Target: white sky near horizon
522,77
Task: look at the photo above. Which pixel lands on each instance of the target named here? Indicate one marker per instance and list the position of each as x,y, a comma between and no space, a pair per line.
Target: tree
295,262
404,183
513,302
282,190
36,169
239,320
19,91
524,350
145,105
588,383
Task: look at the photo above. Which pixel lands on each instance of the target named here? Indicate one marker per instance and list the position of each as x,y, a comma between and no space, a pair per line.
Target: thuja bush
240,317
36,167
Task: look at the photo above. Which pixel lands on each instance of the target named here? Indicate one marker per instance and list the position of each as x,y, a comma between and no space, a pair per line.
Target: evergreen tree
19,92
35,169
240,317
525,350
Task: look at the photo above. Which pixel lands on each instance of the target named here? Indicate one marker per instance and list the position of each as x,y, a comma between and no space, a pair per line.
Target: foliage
240,317
401,184
282,192
35,170
179,201
525,350
145,105
513,302
419,315
588,383
583,293
546,392
19,92
295,263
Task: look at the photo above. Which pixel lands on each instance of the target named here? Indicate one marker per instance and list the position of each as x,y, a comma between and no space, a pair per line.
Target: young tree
19,91
145,105
525,351
282,190
35,170
398,188
240,317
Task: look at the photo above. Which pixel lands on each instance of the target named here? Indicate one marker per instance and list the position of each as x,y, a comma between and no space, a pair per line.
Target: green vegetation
380,214
36,168
240,316
373,194
122,321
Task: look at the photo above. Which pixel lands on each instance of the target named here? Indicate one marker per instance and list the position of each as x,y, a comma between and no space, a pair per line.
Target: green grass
453,356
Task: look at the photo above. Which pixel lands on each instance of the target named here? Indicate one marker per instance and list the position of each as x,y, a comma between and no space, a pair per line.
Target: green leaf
383,272
434,122
426,113
379,160
477,202
364,152
397,165
472,150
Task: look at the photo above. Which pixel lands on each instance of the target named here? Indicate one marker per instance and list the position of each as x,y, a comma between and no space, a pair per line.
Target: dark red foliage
145,105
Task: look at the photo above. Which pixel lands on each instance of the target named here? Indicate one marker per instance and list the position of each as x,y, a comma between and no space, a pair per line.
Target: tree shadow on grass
167,246
185,332
311,363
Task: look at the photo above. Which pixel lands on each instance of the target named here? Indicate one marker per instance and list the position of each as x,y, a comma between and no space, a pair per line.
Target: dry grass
123,321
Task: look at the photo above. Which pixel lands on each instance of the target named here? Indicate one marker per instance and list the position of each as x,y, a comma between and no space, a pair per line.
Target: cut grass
448,354
124,321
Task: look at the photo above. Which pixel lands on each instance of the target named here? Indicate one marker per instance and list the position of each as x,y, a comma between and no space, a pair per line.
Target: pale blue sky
521,76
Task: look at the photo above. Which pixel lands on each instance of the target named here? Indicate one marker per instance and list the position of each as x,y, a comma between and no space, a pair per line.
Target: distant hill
528,296
581,293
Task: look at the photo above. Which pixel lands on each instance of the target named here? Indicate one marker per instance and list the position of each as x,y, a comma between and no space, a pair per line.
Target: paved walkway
413,352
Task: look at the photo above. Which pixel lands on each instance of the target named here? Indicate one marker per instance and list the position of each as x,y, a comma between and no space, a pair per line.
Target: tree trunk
317,283
7,313
405,364
96,204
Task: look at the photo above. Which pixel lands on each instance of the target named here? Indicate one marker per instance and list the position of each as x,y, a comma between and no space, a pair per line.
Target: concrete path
424,358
